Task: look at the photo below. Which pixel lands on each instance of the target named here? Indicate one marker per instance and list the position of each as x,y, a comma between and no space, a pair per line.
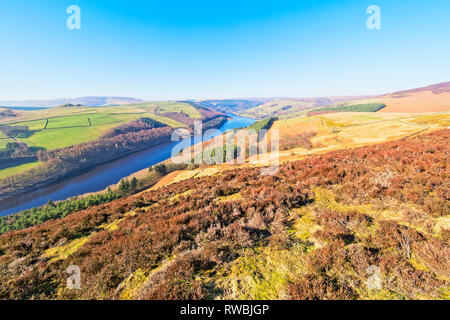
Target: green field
3,143
70,126
18,169
180,107
3,140
73,129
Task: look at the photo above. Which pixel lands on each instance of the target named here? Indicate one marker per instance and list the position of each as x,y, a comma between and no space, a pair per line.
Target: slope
313,231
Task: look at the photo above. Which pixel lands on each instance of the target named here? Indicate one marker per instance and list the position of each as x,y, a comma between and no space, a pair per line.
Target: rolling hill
356,191
313,231
291,107
434,98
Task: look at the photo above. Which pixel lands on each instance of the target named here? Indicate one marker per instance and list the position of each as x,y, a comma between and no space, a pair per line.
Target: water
102,176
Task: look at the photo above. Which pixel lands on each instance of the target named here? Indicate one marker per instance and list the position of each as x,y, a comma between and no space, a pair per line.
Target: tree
124,185
161,169
134,182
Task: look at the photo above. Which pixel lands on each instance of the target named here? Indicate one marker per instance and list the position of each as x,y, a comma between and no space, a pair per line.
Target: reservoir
102,176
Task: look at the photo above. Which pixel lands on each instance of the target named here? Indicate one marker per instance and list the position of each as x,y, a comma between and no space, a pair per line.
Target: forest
368,107
316,230
265,124
28,218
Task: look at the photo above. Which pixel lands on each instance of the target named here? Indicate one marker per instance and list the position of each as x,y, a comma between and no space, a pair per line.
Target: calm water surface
103,175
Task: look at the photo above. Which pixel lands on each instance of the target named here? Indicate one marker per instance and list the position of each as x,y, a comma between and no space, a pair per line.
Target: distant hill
232,105
439,88
86,101
7,113
291,106
434,98
260,108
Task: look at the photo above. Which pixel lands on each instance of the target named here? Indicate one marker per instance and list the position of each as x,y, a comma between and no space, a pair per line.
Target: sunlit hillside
435,98
319,229
304,136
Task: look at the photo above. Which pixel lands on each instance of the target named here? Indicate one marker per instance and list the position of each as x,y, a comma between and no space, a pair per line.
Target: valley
67,140
358,188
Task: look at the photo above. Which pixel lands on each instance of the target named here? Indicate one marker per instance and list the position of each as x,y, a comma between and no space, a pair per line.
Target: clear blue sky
220,49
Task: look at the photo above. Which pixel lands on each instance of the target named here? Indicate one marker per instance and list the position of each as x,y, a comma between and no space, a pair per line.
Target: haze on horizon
201,50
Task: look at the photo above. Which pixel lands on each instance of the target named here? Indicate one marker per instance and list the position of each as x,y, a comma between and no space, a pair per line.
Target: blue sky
220,49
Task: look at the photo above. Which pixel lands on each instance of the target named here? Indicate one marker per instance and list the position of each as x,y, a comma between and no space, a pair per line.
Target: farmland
69,125
353,189
48,136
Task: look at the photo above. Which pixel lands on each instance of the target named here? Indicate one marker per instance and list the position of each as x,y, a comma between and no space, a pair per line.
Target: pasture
18,169
69,126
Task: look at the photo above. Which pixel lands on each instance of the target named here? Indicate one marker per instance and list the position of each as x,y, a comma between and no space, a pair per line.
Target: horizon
218,99
205,51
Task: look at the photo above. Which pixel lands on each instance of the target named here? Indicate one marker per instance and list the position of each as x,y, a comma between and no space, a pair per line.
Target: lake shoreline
75,173
13,197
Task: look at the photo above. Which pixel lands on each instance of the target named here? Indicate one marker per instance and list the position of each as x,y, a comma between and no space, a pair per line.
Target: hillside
303,136
291,107
434,98
318,229
232,105
7,113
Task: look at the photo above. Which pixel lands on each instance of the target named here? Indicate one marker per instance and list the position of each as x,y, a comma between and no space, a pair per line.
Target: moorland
361,195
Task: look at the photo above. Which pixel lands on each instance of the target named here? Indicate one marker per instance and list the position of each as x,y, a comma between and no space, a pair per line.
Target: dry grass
419,102
333,132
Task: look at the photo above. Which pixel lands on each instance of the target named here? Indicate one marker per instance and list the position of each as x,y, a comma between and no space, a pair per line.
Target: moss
132,285
177,196
264,274
445,292
63,252
417,264
115,224
232,197
304,227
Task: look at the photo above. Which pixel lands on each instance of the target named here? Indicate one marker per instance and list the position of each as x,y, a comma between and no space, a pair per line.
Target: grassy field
3,140
416,102
17,169
277,108
72,129
179,107
69,126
